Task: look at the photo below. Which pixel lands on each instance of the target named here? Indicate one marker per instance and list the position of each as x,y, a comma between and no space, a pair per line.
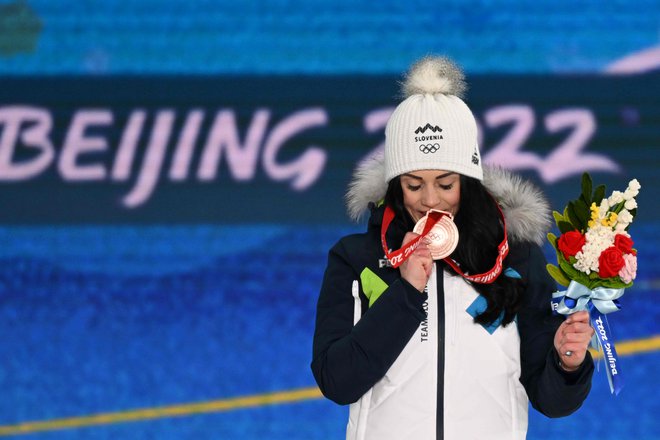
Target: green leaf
612,283
572,273
579,214
618,207
552,239
572,216
599,194
587,185
565,227
567,268
558,275
558,217
583,212
584,280
583,201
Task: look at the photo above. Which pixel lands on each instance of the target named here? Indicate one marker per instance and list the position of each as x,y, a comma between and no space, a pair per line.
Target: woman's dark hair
480,232
394,199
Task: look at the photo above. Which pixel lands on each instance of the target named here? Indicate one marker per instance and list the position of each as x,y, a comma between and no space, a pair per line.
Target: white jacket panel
483,397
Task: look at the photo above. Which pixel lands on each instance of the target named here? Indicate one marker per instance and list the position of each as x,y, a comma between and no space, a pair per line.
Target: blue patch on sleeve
512,273
478,306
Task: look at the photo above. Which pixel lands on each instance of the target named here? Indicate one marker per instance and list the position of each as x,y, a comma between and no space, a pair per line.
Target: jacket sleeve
551,390
348,360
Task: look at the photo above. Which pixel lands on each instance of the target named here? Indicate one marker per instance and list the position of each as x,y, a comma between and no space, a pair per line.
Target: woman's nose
430,197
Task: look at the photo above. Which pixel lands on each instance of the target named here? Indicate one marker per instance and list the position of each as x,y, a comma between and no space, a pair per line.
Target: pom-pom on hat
432,129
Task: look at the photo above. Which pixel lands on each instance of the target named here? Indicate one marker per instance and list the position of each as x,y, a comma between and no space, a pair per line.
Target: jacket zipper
439,276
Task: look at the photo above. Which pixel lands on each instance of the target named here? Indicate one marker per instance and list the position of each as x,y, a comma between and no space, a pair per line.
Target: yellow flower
610,220
594,212
613,218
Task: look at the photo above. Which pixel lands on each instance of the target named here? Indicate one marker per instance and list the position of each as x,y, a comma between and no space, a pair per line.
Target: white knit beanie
433,129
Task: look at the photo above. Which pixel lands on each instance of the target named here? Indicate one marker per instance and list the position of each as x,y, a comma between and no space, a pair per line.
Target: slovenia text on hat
432,129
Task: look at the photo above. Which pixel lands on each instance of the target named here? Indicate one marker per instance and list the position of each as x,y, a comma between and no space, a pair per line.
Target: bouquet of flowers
594,248
596,260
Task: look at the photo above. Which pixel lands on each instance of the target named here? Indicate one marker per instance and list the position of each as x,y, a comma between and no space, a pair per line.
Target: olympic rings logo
430,148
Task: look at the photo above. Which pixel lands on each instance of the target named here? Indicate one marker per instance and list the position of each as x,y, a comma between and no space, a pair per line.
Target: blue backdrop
172,174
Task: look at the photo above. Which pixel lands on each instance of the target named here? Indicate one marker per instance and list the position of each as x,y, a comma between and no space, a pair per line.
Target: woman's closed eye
418,187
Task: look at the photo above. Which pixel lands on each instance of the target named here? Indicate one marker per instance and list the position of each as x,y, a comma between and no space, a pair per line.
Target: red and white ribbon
396,258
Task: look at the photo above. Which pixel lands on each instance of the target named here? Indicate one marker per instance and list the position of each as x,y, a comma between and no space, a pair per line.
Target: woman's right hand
417,268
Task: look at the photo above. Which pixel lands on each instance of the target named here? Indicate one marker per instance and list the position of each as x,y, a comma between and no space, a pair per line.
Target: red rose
571,243
610,262
624,244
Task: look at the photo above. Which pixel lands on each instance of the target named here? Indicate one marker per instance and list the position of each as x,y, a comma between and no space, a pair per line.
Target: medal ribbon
396,258
502,252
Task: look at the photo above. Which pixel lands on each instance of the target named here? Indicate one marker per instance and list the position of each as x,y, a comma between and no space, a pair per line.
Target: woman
450,348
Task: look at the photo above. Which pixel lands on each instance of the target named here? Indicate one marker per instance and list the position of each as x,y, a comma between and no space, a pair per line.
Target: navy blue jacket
350,359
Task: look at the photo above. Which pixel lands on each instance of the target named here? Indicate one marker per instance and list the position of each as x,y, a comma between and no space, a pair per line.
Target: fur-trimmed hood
526,210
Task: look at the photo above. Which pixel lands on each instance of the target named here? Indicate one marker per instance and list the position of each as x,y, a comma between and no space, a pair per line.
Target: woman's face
430,189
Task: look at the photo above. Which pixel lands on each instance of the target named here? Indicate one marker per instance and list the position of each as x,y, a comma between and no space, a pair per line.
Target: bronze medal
442,239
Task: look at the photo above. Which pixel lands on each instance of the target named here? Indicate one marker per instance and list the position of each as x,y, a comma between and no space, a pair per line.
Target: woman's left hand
572,339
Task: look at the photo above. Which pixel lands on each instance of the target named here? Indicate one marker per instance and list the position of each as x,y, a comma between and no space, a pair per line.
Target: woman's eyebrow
441,176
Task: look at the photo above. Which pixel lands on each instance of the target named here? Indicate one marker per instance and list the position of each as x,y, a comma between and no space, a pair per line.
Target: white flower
632,190
598,238
616,197
603,208
625,217
620,228
630,204
582,264
634,185
629,194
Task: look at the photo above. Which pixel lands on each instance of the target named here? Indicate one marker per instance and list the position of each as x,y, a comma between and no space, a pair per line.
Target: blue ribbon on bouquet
598,302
